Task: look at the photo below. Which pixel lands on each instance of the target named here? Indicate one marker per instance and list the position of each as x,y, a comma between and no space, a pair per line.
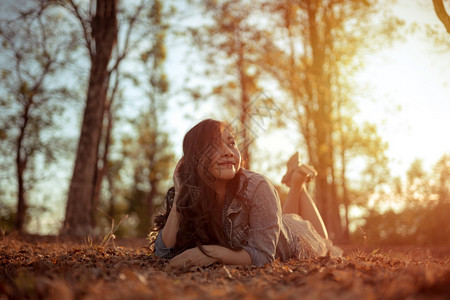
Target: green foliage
141,161
7,218
307,51
389,228
149,161
313,55
434,228
427,225
423,219
244,46
230,40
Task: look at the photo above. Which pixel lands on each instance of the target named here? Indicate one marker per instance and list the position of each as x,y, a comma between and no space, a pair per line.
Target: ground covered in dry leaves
42,268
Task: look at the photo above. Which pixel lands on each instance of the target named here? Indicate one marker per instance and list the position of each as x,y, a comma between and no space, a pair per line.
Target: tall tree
35,44
157,155
100,38
146,154
441,173
315,53
359,142
228,44
138,21
150,160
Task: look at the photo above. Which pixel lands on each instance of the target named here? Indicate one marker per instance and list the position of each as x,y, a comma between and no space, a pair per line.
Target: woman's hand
191,257
177,182
176,176
169,233
195,257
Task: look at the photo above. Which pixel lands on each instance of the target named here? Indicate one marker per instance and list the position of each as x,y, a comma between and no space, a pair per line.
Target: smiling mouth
226,164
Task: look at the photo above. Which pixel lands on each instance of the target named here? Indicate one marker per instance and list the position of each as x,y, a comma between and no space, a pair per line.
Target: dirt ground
45,268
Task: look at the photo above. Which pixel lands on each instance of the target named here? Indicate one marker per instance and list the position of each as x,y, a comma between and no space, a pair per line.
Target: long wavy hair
199,217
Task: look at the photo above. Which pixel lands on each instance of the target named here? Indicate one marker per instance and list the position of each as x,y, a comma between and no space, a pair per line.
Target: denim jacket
254,224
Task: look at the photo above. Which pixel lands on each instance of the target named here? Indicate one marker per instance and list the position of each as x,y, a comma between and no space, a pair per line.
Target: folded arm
195,257
169,233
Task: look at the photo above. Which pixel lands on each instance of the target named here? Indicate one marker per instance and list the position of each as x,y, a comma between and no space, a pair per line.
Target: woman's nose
226,151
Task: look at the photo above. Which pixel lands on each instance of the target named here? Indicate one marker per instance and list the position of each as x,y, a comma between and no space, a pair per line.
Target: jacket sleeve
264,221
160,248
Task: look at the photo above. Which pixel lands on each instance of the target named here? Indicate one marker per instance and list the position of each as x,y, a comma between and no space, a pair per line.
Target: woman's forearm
195,257
170,230
228,256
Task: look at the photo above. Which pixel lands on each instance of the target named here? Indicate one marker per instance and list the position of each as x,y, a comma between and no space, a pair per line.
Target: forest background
96,96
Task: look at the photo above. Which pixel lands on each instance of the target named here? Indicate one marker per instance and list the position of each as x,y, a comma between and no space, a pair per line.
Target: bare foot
292,164
304,173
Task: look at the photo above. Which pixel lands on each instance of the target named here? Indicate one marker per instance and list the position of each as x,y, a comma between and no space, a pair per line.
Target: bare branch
442,14
126,47
83,23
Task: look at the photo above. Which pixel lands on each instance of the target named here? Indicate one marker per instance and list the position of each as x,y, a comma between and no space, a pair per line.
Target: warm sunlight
405,91
407,94
192,148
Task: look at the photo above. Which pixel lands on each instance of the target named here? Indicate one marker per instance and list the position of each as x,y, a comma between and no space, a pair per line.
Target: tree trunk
244,105
103,168
78,222
321,117
111,208
21,164
21,203
346,201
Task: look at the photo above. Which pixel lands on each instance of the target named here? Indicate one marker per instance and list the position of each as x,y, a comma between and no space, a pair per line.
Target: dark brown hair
199,217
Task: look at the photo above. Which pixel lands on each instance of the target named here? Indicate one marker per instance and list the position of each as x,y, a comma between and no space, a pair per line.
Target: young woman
218,211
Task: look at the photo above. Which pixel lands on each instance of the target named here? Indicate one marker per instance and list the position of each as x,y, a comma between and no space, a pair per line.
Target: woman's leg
298,201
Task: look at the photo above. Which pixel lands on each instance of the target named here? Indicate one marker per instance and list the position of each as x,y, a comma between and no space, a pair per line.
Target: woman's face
224,158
